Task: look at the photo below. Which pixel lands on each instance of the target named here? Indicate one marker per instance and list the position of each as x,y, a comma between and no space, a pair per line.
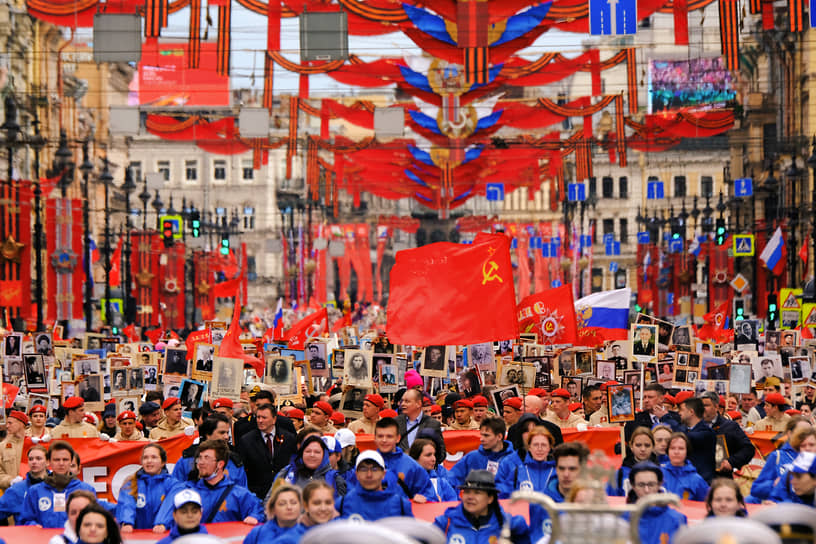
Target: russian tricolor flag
605,313
774,253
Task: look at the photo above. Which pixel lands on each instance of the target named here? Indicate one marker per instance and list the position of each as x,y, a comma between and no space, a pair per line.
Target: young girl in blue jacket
143,493
680,475
423,451
778,462
535,472
640,450
282,513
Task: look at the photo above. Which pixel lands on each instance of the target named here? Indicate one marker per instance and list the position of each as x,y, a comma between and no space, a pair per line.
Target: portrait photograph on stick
358,368
434,359
621,402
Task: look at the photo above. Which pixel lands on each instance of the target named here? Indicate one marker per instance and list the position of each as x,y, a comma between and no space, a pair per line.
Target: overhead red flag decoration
231,343
312,325
449,294
551,314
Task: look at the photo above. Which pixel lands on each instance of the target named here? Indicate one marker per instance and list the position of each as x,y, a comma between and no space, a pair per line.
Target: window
624,230
247,172
609,227
706,186
249,218
252,271
623,187
191,170
679,185
136,170
220,169
608,187
163,168
592,190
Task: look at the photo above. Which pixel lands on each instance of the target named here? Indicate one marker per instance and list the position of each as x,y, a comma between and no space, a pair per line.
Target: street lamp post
12,131
144,196
37,142
128,187
107,179
86,167
158,206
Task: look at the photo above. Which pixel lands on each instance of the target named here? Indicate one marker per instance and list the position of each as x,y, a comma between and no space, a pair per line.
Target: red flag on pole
231,343
312,325
803,251
450,294
551,314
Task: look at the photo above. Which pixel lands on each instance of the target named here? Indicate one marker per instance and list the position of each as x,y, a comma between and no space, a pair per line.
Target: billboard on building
165,80
688,83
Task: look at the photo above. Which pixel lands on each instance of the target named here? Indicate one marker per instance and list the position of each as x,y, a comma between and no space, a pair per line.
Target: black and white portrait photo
13,345
316,355
151,377
606,370
480,355
175,361
202,370
338,360
119,380
135,378
359,367
681,337
227,375
34,371
433,362
746,334
278,369
43,344
191,394
90,388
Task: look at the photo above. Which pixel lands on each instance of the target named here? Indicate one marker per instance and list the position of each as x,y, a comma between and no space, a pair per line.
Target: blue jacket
140,512
174,534
531,475
238,504
360,504
270,531
185,464
444,491
776,466
782,492
703,444
479,459
11,503
293,474
552,490
38,507
684,481
458,529
658,521
621,477
415,477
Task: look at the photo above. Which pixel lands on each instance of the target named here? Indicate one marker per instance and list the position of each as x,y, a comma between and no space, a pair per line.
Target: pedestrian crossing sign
744,245
790,299
809,311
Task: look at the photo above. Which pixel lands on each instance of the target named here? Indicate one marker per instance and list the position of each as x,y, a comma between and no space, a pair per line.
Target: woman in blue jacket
282,513
423,451
640,450
798,486
311,462
778,462
680,475
658,523
143,493
535,472
479,518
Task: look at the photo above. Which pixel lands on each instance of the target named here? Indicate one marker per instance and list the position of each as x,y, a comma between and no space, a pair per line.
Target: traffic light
195,223
224,245
773,311
167,233
739,309
720,231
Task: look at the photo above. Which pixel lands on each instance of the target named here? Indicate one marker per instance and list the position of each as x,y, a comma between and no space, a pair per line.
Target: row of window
680,186
219,169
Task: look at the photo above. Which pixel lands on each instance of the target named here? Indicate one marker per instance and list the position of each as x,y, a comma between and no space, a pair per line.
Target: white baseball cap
370,455
345,437
184,496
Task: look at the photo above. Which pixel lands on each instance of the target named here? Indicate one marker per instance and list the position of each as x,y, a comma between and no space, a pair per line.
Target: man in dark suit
644,343
247,423
265,450
653,412
412,420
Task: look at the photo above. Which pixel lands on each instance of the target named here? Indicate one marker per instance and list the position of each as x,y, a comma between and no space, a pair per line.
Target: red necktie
269,444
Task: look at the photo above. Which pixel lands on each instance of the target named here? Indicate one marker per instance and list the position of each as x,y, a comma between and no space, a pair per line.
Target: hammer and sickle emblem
489,272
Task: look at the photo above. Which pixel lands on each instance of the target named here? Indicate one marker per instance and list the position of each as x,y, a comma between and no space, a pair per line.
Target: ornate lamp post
144,196
158,206
37,142
107,179
86,168
128,187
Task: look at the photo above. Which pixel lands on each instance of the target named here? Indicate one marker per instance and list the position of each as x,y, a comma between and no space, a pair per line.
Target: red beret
734,414
479,400
324,407
575,406
375,399
73,402
223,402
435,409
536,392
426,401
170,401
683,396
560,392
607,385
793,412
669,399
393,413
338,417
91,418
463,403
295,413
775,398
722,401
127,414
513,402
16,414
38,409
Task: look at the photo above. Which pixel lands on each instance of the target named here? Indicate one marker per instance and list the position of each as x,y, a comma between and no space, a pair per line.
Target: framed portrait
175,362
338,362
621,402
135,376
681,376
43,344
171,386
279,373
119,381
664,373
468,383
746,334
480,355
542,364
35,373
316,356
664,334
566,363
218,332
605,370
13,345
632,377
68,390
714,368
35,399
203,362
359,367
501,394
352,402
767,366
504,347
227,376
84,365
92,341
434,359
644,342
90,388
389,371
192,394
681,337
58,331
740,378
584,360
128,403
799,369
109,344
297,397
574,386
145,358
151,377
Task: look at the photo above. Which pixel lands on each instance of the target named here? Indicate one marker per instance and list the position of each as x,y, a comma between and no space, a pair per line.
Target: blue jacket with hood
458,528
271,531
174,534
361,504
238,504
38,507
480,459
658,521
531,475
776,466
684,481
151,490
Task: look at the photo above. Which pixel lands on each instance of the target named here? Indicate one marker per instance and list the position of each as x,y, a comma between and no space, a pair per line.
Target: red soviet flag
231,343
448,294
311,325
551,314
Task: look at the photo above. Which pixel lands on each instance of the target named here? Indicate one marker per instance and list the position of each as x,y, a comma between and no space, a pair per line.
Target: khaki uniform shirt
470,426
165,430
772,424
572,421
11,451
362,425
600,417
137,436
74,430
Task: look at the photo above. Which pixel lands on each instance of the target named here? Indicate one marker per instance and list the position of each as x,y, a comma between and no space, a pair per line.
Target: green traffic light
225,244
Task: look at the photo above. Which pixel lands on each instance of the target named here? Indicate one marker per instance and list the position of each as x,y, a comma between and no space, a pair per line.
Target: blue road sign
586,240
555,283
576,192
743,187
654,190
546,251
556,241
494,191
610,17
613,266
675,245
608,238
643,237
612,248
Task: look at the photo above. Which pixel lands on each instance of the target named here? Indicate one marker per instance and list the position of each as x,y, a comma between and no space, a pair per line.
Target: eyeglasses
363,469
647,485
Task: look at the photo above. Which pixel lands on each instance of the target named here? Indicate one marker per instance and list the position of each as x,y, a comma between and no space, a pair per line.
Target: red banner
312,325
147,246
552,313
65,277
172,285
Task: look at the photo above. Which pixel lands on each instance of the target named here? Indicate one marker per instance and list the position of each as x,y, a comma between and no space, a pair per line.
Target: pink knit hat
413,379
